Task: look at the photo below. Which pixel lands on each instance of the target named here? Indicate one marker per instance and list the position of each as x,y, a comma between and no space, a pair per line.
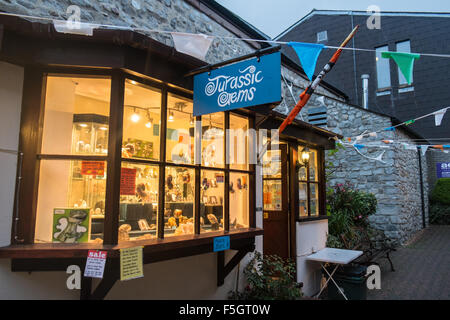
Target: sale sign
128,182
95,264
92,168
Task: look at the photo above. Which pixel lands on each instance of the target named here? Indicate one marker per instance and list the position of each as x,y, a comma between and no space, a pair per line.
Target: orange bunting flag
439,146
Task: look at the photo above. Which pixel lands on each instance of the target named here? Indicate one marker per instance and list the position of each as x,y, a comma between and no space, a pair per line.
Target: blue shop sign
221,243
443,169
239,85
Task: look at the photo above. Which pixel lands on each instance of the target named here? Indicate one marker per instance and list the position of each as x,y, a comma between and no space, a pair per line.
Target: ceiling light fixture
171,117
135,117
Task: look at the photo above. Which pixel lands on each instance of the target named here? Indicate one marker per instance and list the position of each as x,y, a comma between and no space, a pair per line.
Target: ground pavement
422,269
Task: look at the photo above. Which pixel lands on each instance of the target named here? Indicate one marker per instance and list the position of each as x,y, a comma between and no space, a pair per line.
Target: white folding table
333,256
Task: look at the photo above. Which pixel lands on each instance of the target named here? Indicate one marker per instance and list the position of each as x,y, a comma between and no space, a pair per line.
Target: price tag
95,264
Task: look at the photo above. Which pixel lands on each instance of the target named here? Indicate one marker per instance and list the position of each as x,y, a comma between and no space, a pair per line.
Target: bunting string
148,30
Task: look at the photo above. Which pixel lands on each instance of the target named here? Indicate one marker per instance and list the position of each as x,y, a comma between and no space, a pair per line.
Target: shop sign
95,264
443,169
239,85
221,243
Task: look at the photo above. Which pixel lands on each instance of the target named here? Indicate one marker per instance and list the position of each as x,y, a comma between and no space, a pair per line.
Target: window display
76,116
213,140
239,142
139,191
308,189
211,197
180,130
71,201
179,201
141,121
239,205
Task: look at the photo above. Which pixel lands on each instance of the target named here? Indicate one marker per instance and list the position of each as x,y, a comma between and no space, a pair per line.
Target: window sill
154,249
309,219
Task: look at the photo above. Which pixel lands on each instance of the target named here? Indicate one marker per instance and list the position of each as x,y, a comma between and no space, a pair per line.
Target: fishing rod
306,95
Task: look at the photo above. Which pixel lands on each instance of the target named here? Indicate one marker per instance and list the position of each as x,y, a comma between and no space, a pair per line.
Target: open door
275,199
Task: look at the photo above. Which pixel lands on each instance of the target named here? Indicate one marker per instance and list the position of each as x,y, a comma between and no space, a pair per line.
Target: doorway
276,213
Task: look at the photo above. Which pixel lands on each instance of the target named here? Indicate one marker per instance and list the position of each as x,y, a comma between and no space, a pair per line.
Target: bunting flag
359,146
409,122
424,149
405,62
196,45
438,116
373,134
308,53
389,129
439,146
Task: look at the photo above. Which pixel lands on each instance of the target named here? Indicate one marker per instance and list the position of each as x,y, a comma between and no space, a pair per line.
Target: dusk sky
274,16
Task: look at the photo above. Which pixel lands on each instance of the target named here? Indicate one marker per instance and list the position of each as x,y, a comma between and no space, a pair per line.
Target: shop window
141,121
213,140
212,185
71,201
180,130
404,46
238,142
138,202
308,185
76,116
239,201
179,201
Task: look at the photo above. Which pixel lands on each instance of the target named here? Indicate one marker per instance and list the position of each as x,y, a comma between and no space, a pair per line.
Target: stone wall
167,15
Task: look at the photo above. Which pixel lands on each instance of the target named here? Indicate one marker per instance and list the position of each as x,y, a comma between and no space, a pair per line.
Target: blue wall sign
221,243
443,169
239,85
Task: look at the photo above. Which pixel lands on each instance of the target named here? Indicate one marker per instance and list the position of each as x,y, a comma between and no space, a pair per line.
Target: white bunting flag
196,45
438,116
424,149
373,134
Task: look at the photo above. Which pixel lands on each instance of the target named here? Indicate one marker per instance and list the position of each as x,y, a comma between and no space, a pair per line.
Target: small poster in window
128,182
92,168
70,225
220,178
95,264
131,263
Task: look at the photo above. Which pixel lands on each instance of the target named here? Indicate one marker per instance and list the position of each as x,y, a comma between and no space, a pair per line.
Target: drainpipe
421,187
365,85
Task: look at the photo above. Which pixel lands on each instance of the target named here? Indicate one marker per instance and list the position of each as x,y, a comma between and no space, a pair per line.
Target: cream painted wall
311,237
11,84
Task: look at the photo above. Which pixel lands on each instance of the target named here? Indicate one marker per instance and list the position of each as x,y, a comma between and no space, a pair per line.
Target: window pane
180,130
179,202
314,199
211,209
71,201
272,164
138,208
404,46
383,69
272,195
313,170
238,145
213,139
141,121
239,204
76,117
303,199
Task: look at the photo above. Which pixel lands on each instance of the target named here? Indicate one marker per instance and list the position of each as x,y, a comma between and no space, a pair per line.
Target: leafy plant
269,277
441,192
348,211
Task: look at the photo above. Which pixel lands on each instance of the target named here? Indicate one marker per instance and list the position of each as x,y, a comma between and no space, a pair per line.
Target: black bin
351,280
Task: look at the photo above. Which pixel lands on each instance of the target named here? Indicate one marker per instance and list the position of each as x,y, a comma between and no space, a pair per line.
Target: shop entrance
276,202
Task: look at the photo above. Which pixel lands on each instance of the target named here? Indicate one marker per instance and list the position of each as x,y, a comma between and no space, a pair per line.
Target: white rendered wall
311,237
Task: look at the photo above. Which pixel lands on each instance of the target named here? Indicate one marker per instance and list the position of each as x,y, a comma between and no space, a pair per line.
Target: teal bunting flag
405,62
308,53
389,129
359,146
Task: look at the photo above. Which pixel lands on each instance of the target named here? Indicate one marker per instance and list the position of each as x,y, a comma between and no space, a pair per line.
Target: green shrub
269,277
348,211
441,192
439,213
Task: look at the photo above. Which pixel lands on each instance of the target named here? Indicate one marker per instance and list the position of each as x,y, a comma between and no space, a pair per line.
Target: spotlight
171,117
135,117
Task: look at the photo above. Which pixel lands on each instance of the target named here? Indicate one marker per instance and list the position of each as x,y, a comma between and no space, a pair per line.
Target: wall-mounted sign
239,85
221,243
443,169
131,263
95,264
